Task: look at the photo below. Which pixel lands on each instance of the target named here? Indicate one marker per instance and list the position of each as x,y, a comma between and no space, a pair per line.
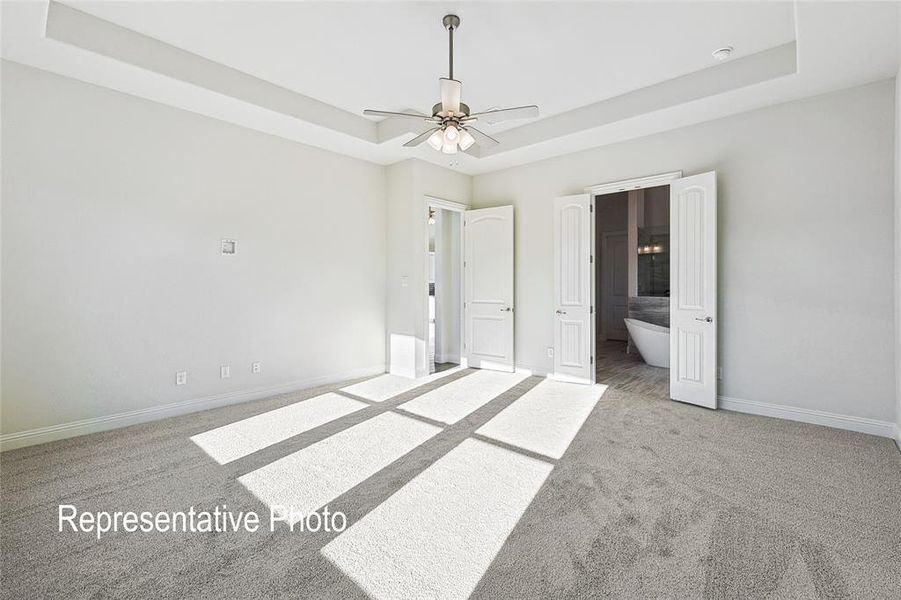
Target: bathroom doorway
632,229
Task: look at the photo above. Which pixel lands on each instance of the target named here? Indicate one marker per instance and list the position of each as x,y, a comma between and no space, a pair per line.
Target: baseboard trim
806,415
52,433
531,370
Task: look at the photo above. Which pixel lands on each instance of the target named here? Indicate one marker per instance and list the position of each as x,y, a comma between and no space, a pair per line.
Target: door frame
611,187
432,202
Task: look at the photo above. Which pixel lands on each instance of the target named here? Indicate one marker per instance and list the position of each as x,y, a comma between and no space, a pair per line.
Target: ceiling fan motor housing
439,108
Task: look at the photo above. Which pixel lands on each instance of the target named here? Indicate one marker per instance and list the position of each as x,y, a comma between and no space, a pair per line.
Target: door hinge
591,259
591,311
591,208
592,360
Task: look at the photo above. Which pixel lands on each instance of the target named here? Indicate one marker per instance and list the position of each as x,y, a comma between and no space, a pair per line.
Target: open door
693,318
573,289
488,288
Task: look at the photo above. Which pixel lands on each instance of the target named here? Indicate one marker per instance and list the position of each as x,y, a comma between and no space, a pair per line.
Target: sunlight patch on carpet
383,387
241,438
545,419
453,401
438,534
312,477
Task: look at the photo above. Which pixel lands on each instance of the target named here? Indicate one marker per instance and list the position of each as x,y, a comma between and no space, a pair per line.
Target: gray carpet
653,499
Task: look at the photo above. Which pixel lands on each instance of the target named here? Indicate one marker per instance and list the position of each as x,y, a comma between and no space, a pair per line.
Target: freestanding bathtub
651,340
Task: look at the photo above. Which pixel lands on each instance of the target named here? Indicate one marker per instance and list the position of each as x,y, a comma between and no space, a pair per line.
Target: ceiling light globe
449,148
466,140
451,135
436,140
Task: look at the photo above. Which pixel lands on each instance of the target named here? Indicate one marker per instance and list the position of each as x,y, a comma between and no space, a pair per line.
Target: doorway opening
445,288
632,274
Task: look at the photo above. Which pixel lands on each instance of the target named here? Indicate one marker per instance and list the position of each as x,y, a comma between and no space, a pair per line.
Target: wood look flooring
629,372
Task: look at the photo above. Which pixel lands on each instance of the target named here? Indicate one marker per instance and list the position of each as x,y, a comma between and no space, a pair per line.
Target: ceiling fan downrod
451,22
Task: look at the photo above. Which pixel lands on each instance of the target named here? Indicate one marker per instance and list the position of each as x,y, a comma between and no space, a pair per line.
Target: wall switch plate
181,378
256,367
404,282
229,247
550,352
225,372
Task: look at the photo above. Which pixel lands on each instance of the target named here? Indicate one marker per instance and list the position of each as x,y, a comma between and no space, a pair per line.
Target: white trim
52,433
446,204
898,436
533,370
447,358
638,183
806,415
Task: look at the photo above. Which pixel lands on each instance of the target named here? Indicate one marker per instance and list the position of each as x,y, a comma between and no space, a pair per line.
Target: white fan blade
451,90
421,137
482,139
506,114
385,113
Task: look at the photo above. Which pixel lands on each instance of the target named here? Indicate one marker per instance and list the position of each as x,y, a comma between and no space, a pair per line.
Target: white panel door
488,287
693,289
573,286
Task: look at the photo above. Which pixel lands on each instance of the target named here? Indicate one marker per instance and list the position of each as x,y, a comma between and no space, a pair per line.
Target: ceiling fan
451,120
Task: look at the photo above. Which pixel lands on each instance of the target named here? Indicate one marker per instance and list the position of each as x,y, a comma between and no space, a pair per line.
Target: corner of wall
898,238
409,182
898,242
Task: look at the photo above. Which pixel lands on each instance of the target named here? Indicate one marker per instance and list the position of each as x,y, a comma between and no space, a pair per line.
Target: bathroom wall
650,309
612,212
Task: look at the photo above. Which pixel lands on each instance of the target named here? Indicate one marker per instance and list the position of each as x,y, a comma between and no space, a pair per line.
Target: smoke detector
723,53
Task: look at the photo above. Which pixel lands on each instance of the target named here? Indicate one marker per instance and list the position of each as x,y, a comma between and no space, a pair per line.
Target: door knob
705,319
561,312
506,309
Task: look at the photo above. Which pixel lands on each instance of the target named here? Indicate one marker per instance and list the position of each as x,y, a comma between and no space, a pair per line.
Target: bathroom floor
628,372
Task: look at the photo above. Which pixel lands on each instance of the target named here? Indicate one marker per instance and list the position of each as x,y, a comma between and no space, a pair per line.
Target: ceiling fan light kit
451,121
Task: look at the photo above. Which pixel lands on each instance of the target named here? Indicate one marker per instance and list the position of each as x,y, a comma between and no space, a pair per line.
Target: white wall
409,182
805,255
113,208
898,249
898,240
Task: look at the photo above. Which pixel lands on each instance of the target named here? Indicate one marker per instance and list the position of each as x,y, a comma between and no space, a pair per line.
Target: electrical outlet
550,352
181,378
225,372
719,373
256,367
